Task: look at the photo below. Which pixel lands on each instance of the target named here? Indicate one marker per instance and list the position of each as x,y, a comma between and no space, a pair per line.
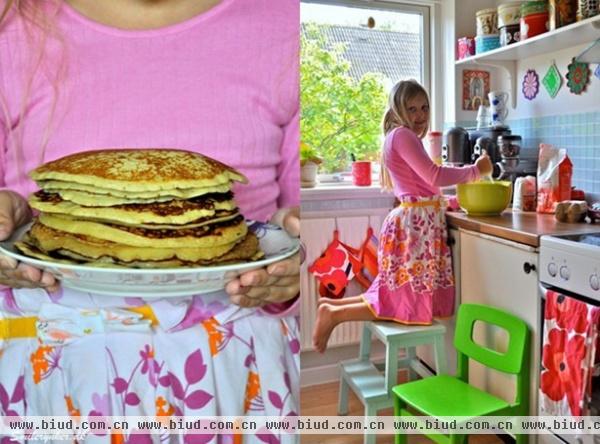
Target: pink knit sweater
413,172
224,83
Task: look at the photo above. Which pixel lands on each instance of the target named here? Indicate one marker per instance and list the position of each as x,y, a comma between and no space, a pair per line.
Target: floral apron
71,353
415,281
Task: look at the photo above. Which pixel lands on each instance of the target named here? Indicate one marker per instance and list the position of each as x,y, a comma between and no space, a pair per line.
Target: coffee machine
464,145
456,150
486,139
512,164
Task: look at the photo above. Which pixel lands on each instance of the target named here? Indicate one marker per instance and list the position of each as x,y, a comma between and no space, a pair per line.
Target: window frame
427,9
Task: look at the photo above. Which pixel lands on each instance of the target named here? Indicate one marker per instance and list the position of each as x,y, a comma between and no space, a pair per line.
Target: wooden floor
321,400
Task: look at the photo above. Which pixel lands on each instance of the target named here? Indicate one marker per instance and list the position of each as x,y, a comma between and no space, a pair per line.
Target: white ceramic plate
165,282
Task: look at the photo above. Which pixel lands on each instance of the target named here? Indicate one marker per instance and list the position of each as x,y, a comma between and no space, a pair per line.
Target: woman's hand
278,282
14,212
484,164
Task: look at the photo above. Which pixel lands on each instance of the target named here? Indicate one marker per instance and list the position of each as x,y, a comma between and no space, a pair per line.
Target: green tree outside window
340,115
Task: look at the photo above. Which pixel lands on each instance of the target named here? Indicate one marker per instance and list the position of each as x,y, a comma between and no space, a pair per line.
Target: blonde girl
415,282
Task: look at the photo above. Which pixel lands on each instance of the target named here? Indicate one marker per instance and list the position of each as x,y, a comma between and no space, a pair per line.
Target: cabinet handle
451,241
528,268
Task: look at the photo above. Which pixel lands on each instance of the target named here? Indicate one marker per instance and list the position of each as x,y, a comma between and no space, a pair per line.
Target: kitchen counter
522,227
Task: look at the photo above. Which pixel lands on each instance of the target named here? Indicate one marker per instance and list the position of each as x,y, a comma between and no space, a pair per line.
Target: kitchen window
352,53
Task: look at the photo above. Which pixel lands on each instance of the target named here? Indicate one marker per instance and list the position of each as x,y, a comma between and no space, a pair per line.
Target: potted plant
309,166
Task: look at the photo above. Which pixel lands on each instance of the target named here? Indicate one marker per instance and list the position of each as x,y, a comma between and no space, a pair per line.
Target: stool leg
370,438
441,363
391,365
343,396
411,353
364,352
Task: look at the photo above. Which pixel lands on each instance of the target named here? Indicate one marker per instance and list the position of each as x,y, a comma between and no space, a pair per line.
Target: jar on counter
434,146
562,13
525,194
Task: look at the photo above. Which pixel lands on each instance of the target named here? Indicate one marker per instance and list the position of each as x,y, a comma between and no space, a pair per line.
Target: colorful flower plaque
578,76
531,84
552,81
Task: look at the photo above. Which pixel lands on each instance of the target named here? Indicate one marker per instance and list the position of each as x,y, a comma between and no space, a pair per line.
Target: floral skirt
415,281
197,356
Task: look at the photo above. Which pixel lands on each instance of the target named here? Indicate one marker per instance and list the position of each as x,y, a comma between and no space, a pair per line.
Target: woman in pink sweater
219,77
415,282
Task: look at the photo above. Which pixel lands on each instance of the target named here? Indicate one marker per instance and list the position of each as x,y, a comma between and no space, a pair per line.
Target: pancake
138,170
73,191
246,250
220,216
175,212
48,239
140,208
207,236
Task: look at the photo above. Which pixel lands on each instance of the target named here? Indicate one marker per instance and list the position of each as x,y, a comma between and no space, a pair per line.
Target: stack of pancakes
142,208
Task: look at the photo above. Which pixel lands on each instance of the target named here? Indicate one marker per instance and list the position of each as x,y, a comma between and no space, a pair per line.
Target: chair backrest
516,358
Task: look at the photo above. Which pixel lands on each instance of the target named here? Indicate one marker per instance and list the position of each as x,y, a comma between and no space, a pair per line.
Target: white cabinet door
493,272
425,352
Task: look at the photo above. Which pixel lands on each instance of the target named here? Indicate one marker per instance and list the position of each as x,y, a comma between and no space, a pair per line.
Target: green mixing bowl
484,198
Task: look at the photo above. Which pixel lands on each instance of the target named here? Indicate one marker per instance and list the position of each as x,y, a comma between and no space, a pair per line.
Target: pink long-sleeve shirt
223,83
413,173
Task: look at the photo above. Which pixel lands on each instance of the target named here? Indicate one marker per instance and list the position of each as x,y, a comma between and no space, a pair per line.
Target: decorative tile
552,81
578,76
531,84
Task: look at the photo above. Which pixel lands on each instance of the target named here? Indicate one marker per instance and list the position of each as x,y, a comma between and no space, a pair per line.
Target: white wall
564,103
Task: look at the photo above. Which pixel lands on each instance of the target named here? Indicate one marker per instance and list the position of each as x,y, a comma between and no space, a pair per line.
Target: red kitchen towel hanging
336,267
570,335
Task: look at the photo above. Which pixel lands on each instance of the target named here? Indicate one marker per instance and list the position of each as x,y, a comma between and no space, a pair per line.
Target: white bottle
525,195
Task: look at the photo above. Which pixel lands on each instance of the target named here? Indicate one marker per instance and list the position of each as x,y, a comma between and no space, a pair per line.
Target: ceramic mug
483,116
361,173
498,102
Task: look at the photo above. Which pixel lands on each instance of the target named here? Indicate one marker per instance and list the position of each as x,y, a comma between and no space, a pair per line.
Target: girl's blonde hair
397,115
38,19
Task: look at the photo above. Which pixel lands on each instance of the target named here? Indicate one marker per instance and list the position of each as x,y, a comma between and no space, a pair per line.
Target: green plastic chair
444,395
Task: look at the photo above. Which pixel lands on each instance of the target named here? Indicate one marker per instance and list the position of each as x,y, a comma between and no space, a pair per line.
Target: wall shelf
585,31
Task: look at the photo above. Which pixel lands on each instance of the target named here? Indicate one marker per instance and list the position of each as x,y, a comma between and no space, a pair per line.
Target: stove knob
565,273
552,270
595,282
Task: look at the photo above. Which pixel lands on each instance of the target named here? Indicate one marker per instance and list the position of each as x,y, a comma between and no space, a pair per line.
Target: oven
570,265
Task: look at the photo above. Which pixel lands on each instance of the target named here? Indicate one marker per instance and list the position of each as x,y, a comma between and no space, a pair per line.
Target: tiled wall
578,133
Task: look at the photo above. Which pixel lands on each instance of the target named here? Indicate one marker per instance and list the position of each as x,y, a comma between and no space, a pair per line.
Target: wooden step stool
373,383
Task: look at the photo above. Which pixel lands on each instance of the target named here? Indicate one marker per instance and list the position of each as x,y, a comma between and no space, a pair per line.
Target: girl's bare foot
323,327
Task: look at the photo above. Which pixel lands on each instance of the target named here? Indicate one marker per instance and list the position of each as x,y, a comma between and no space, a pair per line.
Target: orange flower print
388,244
163,409
252,391
417,268
117,438
43,361
385,263
215,337
402,276
71,407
